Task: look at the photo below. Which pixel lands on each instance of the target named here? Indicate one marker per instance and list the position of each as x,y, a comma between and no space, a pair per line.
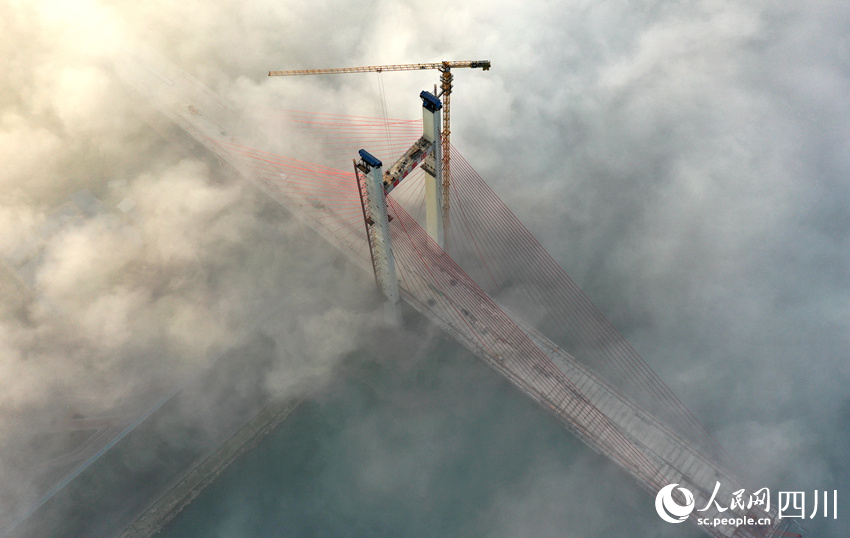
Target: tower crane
446,77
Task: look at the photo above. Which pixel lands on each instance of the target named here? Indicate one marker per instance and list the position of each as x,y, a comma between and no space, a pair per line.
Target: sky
685,162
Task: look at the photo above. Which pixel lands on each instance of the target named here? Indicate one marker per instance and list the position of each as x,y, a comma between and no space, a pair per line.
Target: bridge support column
434,170
374,200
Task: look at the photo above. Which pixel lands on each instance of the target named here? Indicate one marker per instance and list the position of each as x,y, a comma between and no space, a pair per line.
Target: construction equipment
446,77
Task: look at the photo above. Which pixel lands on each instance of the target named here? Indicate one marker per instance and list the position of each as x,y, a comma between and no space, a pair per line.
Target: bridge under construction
474,270
494,278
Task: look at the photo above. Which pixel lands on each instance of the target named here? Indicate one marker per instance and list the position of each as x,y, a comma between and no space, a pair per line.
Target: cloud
685,162
130,258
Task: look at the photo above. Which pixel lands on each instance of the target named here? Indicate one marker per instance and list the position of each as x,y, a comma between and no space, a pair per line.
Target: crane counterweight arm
442,66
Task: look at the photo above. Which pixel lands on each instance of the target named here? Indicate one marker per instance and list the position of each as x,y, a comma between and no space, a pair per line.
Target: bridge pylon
373,199
374,186
432,165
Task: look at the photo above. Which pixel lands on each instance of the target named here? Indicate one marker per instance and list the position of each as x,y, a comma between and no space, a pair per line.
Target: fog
685,162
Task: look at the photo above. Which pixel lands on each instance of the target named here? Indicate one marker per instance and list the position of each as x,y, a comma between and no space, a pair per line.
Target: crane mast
446,78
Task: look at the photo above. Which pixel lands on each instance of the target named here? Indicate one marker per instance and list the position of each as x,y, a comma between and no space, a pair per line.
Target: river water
425,443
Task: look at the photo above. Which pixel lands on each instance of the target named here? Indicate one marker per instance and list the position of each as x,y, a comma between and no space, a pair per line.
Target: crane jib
442,66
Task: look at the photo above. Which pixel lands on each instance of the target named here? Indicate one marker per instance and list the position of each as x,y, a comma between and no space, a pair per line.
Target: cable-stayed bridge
497,291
